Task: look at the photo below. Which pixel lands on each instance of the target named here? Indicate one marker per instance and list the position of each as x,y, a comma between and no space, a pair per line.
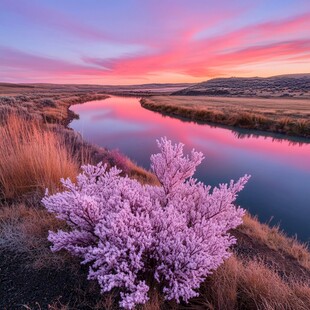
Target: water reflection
280,168
274,137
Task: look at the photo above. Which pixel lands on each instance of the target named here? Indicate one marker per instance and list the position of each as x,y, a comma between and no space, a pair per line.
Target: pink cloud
212,56
175,51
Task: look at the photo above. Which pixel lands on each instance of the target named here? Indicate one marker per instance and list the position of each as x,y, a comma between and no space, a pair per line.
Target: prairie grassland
51,102
266,271
288,116
50,108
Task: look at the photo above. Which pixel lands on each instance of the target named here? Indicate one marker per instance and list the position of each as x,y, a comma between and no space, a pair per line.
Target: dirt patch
22,287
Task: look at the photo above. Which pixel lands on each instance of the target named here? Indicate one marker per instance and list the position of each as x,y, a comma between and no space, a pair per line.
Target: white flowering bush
131,234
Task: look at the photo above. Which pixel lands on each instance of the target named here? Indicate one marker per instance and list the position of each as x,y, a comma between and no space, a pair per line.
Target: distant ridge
291,85
15,85
129,90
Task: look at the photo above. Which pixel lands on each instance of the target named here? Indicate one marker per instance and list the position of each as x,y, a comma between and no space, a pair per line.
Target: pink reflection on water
212,140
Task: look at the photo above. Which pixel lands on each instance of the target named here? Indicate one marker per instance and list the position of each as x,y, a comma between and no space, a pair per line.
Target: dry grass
142,175
48,105
32,159
289,116
251,285
24,231
134,171
156,302
276,240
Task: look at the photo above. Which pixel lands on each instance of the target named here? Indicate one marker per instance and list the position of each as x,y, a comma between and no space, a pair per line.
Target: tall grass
251,284
260,114
276,239
32,158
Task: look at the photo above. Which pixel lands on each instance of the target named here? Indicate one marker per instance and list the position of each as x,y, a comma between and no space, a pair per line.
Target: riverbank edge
249,121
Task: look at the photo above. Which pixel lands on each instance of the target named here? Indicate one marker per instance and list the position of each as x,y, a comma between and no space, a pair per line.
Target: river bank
266,268
278,115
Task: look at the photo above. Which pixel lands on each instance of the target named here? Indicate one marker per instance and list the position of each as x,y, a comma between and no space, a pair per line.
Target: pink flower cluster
131,234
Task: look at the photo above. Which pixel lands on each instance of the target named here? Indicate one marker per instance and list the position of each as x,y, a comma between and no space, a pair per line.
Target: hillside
288,86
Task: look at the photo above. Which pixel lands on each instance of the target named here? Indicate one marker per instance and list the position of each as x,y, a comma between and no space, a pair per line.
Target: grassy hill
287,86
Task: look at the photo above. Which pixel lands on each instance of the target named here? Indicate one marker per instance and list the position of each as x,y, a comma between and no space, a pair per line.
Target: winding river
279,190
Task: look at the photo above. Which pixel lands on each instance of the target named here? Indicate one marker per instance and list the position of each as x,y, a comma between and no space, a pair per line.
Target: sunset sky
146,41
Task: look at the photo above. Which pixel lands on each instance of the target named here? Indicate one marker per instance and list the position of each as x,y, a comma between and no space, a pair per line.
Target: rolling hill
295,86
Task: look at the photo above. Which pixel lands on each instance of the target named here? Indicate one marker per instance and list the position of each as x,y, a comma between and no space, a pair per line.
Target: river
279,189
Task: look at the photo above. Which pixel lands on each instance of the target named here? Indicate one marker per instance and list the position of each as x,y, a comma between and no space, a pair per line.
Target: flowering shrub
132,234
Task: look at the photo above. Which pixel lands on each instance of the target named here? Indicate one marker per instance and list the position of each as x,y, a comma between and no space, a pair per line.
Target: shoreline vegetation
285,116
267,270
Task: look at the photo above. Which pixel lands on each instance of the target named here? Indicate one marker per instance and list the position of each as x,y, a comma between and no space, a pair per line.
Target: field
267,270
287,116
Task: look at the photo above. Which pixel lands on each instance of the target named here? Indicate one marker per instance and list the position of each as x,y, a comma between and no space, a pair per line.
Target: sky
151,41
